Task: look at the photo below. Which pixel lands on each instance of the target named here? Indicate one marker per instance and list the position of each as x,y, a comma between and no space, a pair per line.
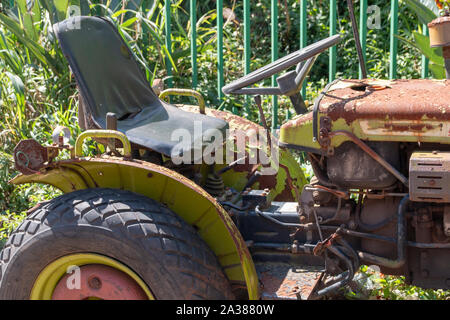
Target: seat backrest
107,74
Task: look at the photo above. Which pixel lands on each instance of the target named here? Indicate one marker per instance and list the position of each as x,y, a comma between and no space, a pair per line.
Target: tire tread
178,245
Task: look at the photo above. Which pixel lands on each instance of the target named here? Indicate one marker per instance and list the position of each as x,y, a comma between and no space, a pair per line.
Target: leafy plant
37,91
370,284
426,11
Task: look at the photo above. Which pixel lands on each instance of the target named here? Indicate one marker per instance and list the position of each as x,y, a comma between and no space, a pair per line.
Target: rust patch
102,282
419,127
29,156
284,282
402,100
290,183
239,124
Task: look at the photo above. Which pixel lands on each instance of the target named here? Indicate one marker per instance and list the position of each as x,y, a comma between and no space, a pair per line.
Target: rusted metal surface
292,172
236,122
290,183
371,153
29,156
337,193
99,282
325,128
401,100
429,174
286,282
377,110
321,246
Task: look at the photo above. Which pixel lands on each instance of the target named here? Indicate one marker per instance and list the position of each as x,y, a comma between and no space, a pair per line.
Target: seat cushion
166,127
110,80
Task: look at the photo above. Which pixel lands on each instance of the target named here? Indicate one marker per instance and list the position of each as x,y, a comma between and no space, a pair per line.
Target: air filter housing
429,176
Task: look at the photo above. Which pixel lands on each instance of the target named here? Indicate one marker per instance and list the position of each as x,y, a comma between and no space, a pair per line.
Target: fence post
363,31
394,41
193,19
247,47
425,60
219,11
274,43
303,35
333,50
168,42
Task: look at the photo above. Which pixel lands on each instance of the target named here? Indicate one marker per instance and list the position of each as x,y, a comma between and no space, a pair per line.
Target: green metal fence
333,6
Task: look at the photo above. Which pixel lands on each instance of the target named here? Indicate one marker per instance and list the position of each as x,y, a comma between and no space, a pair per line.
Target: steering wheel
290,83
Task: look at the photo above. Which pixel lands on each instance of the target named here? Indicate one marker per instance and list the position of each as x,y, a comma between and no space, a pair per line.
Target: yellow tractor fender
181,195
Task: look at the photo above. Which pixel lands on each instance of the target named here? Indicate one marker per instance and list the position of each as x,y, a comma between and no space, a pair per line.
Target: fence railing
394,12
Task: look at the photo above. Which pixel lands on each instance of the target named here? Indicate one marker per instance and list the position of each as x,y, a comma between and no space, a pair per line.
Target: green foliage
38,92
373,285
426,11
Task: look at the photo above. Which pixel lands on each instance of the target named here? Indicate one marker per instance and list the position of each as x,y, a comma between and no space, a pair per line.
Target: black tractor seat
109,79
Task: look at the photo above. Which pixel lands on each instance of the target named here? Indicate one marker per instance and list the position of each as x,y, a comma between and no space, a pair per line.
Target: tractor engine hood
374,110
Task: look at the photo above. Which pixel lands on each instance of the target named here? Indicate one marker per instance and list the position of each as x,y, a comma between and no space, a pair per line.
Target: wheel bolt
94,283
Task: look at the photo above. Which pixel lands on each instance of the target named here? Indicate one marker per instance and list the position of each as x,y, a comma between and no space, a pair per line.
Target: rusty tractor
152,217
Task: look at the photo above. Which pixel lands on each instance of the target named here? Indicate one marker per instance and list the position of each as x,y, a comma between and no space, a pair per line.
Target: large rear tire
132,233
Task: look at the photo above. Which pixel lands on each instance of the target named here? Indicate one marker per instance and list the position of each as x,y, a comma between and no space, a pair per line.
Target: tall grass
37,90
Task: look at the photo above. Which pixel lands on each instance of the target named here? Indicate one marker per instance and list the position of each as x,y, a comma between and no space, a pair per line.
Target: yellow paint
300,131
102,134
180,194
187,93
48,278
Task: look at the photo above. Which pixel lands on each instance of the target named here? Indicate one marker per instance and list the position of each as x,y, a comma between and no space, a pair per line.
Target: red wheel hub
98,281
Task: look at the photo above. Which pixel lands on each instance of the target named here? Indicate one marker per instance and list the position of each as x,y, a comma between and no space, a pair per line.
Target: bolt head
94,282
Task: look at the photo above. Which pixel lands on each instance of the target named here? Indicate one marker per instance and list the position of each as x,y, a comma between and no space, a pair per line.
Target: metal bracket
103,134
186,93
316,109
